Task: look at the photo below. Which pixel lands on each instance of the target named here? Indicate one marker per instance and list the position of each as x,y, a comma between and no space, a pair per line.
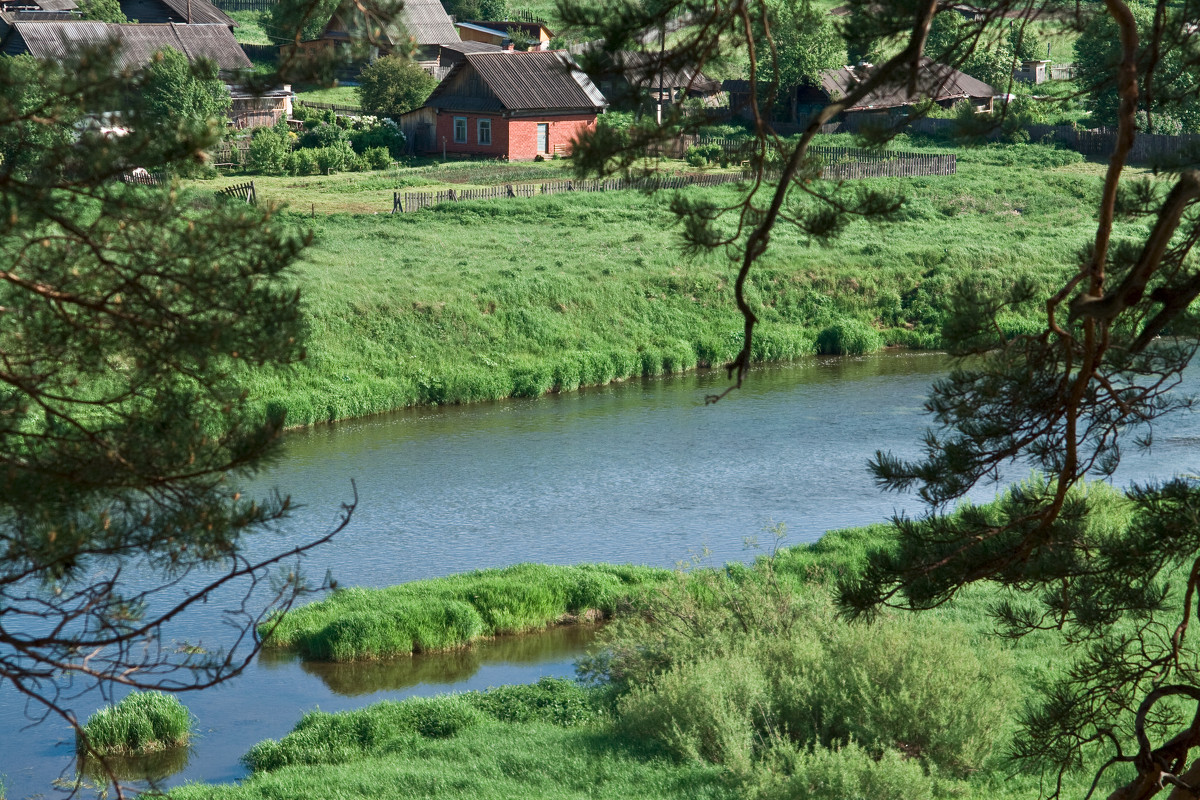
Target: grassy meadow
484,300
716,683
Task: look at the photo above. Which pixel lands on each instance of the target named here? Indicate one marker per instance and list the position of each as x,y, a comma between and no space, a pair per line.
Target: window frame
480,126
463,140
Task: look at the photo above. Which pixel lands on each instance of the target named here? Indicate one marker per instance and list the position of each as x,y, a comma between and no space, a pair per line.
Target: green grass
800,704
445,613
251,27
479,301
338,95
144,722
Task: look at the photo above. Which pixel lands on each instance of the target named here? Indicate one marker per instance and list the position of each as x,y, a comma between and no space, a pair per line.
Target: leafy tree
1168,84
175,90
393,85
1064,400
803,42
102,10
478,9
130,318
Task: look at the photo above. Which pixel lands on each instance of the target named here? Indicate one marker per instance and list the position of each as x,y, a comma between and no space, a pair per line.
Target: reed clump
143,722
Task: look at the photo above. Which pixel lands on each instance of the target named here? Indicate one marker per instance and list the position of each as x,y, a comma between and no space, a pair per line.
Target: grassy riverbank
445,613
740,682
485,300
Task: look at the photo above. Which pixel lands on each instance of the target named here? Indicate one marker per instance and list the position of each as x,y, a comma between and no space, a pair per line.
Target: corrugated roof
472,47
471,26
537,80
59,41
428,23
202,12
934,81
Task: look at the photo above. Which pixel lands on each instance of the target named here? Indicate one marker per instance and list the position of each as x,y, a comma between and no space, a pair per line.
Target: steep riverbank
486,300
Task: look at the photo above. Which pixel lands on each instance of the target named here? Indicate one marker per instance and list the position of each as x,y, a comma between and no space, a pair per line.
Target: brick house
513,105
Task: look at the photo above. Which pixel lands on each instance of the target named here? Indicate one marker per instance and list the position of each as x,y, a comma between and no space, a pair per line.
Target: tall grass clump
396,727
848,337
445,613
144,722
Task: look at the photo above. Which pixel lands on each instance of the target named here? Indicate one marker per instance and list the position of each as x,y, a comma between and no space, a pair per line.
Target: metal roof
427,22
471,26
472,47
59,41
537,80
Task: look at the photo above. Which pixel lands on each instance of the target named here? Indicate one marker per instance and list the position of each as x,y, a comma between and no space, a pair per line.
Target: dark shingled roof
203,12
58,41
640,70
934,81
538,80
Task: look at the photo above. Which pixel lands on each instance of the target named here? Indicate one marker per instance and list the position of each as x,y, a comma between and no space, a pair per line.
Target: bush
378,158
334,159
144,722
269,151
378,133
304,162
849,337
324,135
848,772
393,85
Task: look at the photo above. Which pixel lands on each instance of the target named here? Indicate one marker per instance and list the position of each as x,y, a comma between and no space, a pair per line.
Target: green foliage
176,90
269,150
378,158
444,613
392,85
292,19
144,722
848,337
1176,85
806,43
478,9
324,134
846,772
334,158
102,11
377,134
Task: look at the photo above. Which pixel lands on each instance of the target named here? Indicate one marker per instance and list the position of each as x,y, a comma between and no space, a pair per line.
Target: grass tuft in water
144,722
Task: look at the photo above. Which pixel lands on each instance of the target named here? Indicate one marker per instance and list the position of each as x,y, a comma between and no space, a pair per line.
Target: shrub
304,162
324,135
847,772
379,133
849,337
143,722
393,85
378,158
269,151
335,158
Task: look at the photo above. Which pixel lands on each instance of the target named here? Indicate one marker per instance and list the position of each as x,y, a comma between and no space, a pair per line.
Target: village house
499,33
632,79
507,104
185,12
943,84
56,39
421,22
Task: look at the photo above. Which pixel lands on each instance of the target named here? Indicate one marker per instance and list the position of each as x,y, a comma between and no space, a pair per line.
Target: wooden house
498,32
512,105
420,23
185,12
943,84
455,52
635,80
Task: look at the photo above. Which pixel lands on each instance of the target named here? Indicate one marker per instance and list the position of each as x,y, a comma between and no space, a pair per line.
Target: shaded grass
252,27
445,613
143,722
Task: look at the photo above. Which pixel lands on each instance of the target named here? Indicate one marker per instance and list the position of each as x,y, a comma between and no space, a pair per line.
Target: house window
543,142
460,130
485,131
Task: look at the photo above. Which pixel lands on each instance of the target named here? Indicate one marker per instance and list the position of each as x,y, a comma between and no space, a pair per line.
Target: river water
642,472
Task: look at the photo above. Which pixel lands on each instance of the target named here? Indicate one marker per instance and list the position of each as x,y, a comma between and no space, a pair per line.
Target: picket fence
353,111
245,5
242,191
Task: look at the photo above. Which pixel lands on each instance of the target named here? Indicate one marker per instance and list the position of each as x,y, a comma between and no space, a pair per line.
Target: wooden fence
144,178
838,168
245,5
242,191
1147,147
261,52
335,107
1062,72
523,15
223,156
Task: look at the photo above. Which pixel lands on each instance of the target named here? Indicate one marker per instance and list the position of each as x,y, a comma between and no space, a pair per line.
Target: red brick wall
515,138
445,127
522,134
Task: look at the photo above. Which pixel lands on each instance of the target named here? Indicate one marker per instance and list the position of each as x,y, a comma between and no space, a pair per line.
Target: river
641,472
